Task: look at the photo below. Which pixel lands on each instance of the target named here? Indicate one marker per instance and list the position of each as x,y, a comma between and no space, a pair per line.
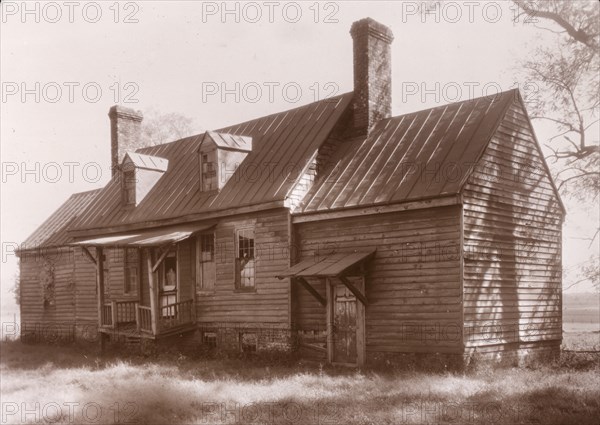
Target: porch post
137,317
113,311
329,320
100,287
152,287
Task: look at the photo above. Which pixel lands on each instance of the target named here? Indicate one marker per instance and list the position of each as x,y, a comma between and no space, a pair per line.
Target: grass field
76,386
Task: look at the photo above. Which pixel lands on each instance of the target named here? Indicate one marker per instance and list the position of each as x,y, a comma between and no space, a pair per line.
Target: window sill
205,293
245,291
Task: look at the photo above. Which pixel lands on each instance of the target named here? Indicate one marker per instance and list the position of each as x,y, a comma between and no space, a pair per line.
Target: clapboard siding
270,302
34,313
413,283
185,263
86,309
512,243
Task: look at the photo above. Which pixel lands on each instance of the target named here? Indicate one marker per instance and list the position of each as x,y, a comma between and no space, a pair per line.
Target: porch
129,318
154,304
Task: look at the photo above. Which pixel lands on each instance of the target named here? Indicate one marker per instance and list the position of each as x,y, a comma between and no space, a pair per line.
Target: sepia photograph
300,212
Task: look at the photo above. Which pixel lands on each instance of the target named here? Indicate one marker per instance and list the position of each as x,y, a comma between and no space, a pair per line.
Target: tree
16,288
566,73
158,127
567,76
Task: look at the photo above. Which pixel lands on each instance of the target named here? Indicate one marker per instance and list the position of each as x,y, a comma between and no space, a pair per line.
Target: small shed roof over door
327,266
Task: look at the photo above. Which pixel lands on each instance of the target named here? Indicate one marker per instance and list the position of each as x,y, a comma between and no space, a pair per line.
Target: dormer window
129,187
139,175
219,155
209,172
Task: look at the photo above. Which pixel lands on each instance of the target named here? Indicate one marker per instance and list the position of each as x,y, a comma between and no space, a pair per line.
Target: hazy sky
61,74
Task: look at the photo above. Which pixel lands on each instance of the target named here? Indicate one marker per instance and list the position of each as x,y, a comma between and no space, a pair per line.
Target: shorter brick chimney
125,133
372,74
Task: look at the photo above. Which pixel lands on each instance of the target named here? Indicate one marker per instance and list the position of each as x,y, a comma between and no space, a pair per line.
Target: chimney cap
124,112
372,27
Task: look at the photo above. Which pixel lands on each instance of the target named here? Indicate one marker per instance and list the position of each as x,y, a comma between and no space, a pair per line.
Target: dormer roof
228,141
147,162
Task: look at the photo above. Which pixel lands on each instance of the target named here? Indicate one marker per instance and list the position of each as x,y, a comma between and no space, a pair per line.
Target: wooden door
345,326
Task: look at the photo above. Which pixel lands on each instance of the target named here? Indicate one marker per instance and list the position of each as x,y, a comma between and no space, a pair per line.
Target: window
209,172
106,275
209,339
244,262
129,187
168,275
205,262
132,262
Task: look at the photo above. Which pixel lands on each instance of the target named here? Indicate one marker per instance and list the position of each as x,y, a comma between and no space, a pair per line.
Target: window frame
162,272
237,267
210,339
210,174
201,287
129,186
127,267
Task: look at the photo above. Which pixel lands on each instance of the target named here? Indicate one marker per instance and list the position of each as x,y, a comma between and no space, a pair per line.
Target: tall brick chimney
372,74
125,133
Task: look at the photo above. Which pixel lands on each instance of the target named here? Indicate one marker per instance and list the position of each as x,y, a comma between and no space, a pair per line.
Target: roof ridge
498,95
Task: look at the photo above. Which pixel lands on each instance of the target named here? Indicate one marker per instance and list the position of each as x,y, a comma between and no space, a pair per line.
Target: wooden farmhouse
334,229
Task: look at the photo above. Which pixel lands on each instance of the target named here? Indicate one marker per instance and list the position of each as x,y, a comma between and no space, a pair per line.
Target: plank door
345,325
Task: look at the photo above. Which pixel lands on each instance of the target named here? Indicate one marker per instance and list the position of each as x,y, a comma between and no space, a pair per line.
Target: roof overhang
333,265
146,238
212,215
438,201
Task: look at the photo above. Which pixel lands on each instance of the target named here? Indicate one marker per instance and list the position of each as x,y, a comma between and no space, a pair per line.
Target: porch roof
147,238
327,266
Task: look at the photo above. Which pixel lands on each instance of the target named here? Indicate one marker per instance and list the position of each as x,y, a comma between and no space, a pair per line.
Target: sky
63,65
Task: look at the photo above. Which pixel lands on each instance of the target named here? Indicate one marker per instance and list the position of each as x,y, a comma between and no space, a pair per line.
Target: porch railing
144,319
170,316
118,312
176,314
107,315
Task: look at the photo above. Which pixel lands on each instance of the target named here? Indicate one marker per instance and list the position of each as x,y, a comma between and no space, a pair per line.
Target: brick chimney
372,74
125,133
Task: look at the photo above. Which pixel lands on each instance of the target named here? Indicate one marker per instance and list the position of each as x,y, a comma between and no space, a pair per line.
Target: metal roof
279,140
328,266
54,231
424,154
146,238
230,141
147,161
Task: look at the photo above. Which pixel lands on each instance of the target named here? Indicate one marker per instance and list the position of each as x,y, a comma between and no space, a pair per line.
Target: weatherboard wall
53,320
512,245
413,283
269,303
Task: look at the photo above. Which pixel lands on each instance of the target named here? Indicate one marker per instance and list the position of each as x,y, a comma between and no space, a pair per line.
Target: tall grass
175,389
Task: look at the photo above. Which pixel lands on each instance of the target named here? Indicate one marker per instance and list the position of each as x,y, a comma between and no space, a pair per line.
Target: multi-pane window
168,284
132,262
169,272
209,339
209,172
205,262
106,275
245,260
129,186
